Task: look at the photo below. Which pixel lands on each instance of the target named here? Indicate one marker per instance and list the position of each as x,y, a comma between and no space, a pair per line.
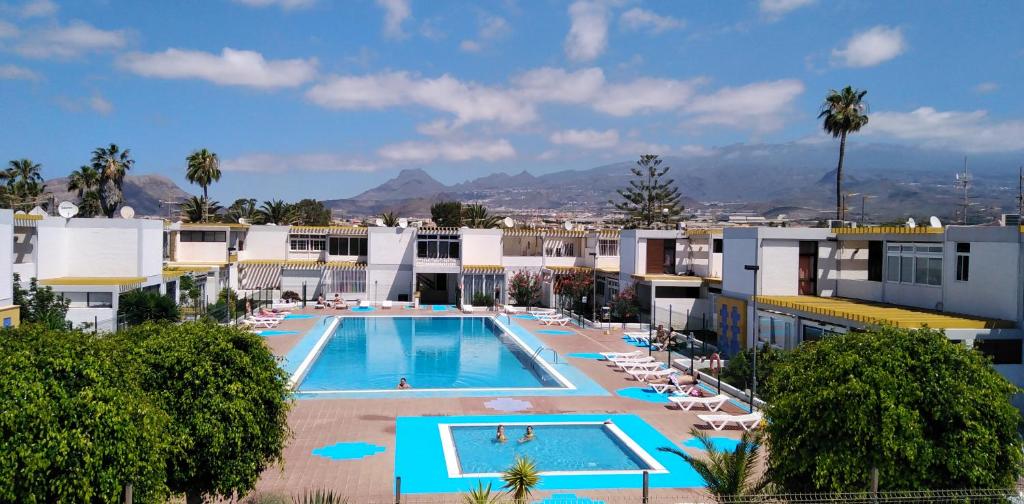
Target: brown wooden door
655,256
806,276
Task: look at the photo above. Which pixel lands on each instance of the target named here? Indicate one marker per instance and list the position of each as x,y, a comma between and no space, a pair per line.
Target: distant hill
141,192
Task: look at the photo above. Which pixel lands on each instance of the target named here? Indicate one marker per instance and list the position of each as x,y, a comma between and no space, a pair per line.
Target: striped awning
26,220
329,230
483,269
253,276
608,233
438,230
547,233
703,231
872,230
302,264
861,313
567,269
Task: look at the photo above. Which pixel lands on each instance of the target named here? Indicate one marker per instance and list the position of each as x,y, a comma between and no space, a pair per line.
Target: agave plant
480,495
520,479
320,496
727,473
389,219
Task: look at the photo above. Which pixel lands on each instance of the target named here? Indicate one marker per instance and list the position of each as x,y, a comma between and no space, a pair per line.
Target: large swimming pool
431,353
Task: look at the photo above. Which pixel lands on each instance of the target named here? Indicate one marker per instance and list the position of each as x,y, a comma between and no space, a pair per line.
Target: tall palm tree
520,479
203,169
843,112
196,208
86,182
244,208
25,182
727,473
276,212
476,217
113,164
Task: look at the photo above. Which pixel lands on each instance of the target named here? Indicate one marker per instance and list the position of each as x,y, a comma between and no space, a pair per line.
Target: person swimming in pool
403,384
528,436
501,438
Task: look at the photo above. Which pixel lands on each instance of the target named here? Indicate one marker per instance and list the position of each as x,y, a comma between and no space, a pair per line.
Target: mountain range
142,192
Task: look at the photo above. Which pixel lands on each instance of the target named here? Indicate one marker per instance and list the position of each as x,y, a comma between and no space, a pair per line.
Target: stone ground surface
319,422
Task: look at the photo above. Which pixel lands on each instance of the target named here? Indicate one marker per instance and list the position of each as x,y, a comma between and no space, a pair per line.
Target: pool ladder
540,350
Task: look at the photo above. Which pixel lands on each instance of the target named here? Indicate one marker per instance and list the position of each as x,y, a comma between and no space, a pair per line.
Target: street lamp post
753,298
593,286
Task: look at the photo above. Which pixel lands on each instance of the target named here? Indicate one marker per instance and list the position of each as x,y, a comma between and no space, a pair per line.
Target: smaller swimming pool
471,450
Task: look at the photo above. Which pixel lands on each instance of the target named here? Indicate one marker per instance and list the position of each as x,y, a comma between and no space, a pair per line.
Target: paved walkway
320,422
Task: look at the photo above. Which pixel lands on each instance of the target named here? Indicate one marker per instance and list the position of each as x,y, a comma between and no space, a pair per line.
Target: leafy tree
727,473
189,291
738,371
203,169
196,209
276,212
25,183
138,306
310,212
649,199
446,214
243,208
476,217
520,479
227,398
525,288
573,286
625,305
86,182
40,305
842,113
113,164
76,426
389,219
927,412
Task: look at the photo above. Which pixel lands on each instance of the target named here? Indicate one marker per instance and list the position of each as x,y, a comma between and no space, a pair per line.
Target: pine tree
649,199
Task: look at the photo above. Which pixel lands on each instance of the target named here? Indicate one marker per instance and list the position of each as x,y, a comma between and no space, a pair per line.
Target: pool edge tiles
421,462
575,382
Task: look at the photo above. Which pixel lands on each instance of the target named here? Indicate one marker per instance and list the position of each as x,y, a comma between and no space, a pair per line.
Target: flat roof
870,313
880,230
664,277
303,263
92,280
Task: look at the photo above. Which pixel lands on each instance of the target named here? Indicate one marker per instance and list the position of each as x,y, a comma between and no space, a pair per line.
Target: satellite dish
127,212
379,222
19,212
37,211
509,223
403,223
67,209
934,222
911,224
567,225
243,220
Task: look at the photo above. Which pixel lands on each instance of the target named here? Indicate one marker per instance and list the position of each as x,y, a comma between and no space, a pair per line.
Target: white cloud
645,95
971,131
587,139
278,164
588,32
642,19
695,151
229,68
871,47
96,103
75,39
548,84
467,101
422,152
284,4
777,8
101,105
761,106
37,8
395,13
471,46
13,72
491,28
8,30
986,87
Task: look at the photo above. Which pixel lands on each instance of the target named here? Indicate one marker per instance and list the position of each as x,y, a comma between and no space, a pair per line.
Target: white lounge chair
467,308
647,365
719,422
686,403
649,374
637,357
386,304
260,324
364,303
672,385
514,309
620,355
555,321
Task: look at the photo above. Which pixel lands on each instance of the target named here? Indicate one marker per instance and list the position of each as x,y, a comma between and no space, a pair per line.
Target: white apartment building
10,313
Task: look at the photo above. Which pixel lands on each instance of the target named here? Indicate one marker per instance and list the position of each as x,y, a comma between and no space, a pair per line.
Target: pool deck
317,423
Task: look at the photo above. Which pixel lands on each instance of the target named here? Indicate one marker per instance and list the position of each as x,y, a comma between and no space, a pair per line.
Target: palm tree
843,112
520,479
195,209
25,182
244,208
727,473
113,164
476,217
389,219
203,169
480,495
86,181
276,212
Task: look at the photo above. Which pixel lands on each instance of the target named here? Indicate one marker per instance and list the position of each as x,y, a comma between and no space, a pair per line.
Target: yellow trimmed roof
610,269
306,263
331,230
567,269
713,279
26,216
887,230
868,313
704,231
483,268
553,232
210,225
664,277
92,280
608,233
195,265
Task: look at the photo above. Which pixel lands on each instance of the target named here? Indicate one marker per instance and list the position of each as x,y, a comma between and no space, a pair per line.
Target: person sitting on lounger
528,436
403,384
337,299
695,391
501,438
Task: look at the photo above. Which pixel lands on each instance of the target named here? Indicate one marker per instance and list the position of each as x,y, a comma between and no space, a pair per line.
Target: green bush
138,306
739,369
482,299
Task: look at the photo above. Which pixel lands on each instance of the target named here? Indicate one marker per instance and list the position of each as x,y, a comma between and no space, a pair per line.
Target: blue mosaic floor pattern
298,316
643,394
348,451
718,442
584,355
277,333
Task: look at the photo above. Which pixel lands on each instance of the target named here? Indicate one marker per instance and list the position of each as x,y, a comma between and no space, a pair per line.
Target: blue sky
325,98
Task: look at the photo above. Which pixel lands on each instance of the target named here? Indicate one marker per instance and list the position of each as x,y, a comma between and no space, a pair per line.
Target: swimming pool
471,450
432,353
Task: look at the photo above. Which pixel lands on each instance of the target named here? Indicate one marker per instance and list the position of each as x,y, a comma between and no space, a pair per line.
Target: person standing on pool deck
403,384
528,436
501,438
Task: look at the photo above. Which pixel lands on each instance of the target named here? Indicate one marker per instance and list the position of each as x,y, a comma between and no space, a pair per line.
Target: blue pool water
580,447
373,353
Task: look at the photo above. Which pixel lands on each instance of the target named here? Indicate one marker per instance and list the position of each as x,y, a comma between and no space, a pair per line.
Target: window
1002,351
963,262
875,260
914,263
677,292
716,246
345,246
345,281
99,300
608,247
203,236
560,248
302,243
437,246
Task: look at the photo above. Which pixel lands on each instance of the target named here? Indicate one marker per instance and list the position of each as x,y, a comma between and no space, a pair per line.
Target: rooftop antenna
963,182
910,223
1020,190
